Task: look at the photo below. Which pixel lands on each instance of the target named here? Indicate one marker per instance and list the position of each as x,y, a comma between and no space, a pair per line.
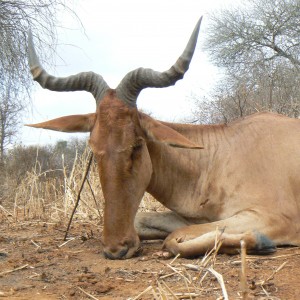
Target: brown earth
36,264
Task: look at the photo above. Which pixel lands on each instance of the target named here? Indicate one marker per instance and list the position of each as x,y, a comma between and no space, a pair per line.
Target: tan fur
74,123
245,180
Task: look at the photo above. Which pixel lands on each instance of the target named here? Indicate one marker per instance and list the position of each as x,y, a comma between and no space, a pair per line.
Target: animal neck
176,170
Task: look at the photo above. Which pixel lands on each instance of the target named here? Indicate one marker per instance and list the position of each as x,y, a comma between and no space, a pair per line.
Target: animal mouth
125,253
119,255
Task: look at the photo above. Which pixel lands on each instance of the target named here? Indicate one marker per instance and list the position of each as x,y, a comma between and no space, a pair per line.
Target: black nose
116,254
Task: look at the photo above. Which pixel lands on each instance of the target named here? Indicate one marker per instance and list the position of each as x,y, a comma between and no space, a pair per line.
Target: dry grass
41,196
192,280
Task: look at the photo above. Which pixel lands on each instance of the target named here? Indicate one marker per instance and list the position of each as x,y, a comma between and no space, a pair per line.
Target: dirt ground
35,263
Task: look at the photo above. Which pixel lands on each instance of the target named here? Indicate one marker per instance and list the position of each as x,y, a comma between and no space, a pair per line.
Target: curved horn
135,81
85,81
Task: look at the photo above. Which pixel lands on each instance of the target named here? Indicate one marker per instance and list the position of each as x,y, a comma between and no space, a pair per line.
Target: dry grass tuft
192,280
48,197
45,197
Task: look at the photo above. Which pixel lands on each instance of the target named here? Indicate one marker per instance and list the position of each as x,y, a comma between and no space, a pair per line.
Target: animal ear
73,123
165,134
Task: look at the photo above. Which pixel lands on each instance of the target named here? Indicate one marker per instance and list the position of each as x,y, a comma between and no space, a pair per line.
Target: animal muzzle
123,250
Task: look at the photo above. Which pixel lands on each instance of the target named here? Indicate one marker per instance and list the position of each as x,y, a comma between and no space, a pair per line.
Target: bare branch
16,17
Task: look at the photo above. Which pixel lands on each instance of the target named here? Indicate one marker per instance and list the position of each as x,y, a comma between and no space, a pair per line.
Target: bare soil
36,264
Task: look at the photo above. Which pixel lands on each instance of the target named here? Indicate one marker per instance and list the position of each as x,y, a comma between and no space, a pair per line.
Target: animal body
242,178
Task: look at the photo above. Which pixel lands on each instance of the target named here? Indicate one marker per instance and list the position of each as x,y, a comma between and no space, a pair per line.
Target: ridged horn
135,81
84,81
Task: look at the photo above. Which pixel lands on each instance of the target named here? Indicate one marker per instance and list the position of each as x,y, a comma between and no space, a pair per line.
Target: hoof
264,245
162,254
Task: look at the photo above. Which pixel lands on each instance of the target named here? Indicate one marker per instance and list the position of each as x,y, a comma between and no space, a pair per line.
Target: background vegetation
42,183
256,46
16,18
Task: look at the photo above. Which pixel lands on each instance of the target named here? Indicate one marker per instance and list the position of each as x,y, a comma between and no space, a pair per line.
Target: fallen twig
66,242
155,296
94,197
273,274
187,286
78,195
149,288
178,272
237,262
173,260
168,275
220,280
192,267
243,271
86,293
6,213
169,290
14,270
161,291
35,244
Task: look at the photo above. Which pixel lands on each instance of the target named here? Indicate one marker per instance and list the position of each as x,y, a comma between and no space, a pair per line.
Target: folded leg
197,239
154,225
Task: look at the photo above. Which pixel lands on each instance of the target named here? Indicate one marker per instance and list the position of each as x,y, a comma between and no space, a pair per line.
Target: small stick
192,267
155,296
174,258
75,252
243,271
187,287
143,292
78,195
11,271
168,275
220,280
35,244
178,272
265,258
91,296
6,213
275,257
267,294
66,242
162,292
93,194
170,291
203,277
275,272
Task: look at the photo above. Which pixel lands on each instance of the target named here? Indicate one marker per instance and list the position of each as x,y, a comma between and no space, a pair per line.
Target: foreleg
154,225
198,239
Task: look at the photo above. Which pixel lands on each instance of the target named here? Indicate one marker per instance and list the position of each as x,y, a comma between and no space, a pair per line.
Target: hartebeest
246,180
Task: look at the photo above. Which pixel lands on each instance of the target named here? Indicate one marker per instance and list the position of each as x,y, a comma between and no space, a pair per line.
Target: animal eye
138,144
135,151
137,147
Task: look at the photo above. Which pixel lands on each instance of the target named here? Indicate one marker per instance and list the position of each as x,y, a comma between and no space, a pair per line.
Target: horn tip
32,125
